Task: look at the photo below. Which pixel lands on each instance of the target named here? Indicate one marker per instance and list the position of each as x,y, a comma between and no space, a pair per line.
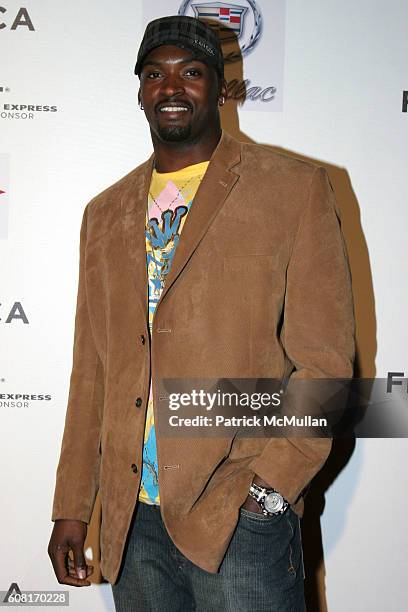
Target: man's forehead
171,54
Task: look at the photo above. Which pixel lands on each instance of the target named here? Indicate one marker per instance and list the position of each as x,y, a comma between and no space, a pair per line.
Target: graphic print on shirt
163,237
170,199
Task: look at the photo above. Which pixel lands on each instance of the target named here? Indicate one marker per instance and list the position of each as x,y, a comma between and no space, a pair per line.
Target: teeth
167,109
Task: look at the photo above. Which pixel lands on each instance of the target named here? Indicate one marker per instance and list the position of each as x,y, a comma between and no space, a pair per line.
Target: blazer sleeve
77,477
318,332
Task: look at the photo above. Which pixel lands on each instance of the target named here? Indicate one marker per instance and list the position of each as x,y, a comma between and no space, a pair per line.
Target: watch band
271,502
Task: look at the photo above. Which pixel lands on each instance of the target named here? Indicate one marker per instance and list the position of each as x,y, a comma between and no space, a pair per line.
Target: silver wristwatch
270,501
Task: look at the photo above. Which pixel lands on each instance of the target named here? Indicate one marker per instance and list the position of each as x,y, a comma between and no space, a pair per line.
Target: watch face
273,502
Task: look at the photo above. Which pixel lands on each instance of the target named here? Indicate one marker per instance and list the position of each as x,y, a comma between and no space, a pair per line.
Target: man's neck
173,156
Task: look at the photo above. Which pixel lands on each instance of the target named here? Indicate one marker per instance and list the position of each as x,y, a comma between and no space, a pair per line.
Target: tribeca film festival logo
14,596
398,380
11,110
405,101
15,313
241,22
14,20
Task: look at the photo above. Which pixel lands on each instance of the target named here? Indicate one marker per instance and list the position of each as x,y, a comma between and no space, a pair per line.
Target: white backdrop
343,72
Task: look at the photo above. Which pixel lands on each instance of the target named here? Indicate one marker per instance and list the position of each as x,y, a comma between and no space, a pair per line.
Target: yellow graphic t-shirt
171,195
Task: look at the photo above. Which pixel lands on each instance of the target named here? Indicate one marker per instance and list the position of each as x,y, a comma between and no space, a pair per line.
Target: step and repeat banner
324,81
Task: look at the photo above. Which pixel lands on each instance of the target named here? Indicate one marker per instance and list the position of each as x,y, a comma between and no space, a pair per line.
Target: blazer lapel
133,211
217,183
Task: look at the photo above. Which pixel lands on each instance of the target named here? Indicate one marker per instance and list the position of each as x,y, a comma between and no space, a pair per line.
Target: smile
173,109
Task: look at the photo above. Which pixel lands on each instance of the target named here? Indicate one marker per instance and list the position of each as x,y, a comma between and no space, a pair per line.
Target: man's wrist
267,499
260,482
251,503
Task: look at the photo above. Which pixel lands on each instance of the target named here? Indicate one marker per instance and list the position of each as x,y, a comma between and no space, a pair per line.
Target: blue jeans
261,571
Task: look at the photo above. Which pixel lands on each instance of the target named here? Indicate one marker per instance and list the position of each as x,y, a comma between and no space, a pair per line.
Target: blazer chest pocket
249,265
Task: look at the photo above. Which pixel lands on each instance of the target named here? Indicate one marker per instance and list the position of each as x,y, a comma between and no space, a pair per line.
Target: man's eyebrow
184,60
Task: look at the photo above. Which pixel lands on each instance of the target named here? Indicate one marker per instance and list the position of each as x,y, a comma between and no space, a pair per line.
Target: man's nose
172,86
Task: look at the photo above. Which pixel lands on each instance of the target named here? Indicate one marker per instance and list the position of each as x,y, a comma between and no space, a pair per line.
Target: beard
174,133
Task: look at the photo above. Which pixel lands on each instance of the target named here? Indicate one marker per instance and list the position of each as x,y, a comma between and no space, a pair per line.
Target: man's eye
153,75
192,72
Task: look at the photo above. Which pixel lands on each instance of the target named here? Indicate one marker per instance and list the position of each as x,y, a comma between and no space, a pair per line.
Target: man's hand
250,504
69,535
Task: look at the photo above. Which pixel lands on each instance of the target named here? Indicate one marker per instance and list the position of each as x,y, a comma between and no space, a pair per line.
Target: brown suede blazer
262,241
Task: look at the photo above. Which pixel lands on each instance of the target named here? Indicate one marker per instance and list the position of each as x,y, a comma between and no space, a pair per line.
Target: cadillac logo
241,22
230,18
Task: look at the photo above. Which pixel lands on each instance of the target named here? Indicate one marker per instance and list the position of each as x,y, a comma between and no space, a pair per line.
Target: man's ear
223,89
139,97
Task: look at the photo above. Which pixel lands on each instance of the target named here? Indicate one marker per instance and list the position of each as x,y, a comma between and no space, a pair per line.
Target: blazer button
138,402
134,468
142,339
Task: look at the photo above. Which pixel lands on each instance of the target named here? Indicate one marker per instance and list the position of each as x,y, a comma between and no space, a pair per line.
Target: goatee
174,133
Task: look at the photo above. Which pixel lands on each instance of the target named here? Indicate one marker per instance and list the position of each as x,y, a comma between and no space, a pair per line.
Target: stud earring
221,101
141,105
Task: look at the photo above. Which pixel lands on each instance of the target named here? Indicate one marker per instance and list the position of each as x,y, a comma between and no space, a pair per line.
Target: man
212,259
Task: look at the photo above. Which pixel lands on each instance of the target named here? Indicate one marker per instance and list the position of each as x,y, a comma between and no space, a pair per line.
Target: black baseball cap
184,31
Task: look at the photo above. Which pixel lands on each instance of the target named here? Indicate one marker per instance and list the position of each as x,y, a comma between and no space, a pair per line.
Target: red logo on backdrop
230,17
1,191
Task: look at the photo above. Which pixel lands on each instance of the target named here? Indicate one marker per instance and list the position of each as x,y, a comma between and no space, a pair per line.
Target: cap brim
177,41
